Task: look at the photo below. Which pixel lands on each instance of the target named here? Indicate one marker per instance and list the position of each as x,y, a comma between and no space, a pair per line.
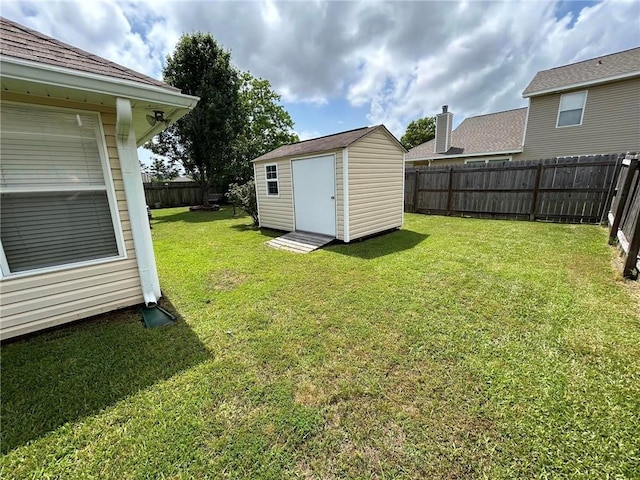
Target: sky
344,65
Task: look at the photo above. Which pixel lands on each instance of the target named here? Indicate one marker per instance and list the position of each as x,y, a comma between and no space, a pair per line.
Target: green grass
453,348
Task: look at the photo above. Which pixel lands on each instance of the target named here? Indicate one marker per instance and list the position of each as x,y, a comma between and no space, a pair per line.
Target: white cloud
402,60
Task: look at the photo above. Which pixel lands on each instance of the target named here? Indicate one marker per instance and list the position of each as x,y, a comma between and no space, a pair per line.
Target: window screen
55,208
571,108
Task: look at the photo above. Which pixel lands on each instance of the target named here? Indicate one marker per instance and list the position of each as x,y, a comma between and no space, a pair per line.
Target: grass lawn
453,348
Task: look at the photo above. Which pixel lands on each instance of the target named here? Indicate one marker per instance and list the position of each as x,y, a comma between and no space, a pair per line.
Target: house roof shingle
592,70
491,133
328,142
23,43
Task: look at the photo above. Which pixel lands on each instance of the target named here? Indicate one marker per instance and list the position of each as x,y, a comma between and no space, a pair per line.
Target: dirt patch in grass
227,280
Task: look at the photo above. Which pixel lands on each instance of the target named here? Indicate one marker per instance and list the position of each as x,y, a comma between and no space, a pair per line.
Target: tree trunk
205,194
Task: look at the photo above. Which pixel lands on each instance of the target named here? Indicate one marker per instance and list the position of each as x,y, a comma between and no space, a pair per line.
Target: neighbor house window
571,109
56,208
272,179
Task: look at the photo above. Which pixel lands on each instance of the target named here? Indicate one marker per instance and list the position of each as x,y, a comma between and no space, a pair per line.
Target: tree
202,141
419,131
161,170
267,125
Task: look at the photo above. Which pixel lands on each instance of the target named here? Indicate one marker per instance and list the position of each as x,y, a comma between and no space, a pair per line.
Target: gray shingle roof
592,70
20,42
494,132
321,144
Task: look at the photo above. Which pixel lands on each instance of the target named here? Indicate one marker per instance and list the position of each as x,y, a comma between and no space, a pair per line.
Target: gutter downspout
136,204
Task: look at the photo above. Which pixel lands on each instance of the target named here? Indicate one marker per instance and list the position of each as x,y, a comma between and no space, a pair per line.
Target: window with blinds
55,209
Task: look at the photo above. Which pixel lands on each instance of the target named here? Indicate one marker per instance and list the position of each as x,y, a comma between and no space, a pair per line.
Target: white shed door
314,195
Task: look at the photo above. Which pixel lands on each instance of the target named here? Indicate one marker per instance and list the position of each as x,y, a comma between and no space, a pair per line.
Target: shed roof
23,43
595,70
321,144
484,134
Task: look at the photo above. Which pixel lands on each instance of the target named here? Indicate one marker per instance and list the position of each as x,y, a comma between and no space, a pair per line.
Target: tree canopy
237,119
419,131
267,125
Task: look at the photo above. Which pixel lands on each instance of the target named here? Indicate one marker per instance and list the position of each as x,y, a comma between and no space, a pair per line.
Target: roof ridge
332,134
496,113
80,51
599,57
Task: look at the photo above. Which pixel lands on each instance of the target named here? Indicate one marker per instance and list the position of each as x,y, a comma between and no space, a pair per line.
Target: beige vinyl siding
275,212
611,123
278,212
32,302
375,185
339,195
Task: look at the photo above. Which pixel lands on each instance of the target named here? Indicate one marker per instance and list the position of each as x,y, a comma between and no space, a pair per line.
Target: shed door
314,195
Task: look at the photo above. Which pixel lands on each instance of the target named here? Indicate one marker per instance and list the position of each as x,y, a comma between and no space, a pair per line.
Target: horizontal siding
275,212
278,212
32,302
376,176
339,195
611,123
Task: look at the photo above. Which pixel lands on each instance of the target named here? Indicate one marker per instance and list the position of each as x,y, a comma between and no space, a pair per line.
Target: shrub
244,196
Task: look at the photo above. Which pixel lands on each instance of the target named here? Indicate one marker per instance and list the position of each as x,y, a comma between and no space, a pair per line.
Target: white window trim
109,187
584,105
471,161
267,180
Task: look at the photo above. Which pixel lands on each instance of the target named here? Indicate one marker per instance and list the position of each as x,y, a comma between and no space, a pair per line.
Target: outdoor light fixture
158,116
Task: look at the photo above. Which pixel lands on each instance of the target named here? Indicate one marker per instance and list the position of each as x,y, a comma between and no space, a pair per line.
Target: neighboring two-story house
584,108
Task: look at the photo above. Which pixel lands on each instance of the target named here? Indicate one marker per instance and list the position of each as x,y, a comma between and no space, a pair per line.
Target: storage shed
347,185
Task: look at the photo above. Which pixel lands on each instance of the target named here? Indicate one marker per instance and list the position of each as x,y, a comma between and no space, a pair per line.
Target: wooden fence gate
624,216
567,189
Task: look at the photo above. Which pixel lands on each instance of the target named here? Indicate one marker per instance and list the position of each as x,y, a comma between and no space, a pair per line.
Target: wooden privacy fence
566,189
624,216
172,194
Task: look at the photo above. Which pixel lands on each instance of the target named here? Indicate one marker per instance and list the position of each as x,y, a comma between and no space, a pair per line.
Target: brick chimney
444,122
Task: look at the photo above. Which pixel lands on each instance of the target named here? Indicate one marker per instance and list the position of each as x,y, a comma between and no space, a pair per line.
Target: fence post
630,269
416,183
617,215
536,189
450,192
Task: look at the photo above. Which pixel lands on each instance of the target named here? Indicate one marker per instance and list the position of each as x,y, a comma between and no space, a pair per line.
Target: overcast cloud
398,60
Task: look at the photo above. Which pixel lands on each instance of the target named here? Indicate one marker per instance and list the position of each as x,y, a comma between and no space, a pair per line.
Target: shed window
571,109
56,208
272,179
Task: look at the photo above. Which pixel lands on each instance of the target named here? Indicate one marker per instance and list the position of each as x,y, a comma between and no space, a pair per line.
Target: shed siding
611,123
376,175
33,302
277,212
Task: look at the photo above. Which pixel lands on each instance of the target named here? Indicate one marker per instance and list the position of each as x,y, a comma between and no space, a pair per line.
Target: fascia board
589,83
463,155
73,79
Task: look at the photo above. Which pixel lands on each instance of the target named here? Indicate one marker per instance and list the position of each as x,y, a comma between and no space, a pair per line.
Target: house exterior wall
376,185
31,302
278,212
610,124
